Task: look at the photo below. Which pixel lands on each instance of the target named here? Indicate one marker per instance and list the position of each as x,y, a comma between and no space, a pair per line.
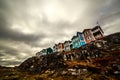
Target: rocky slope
100,58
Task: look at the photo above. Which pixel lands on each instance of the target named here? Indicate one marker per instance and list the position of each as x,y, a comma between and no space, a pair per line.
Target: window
86,33
88,38
81,38
91,37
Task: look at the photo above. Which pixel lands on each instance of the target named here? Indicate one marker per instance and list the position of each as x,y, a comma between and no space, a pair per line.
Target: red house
88,35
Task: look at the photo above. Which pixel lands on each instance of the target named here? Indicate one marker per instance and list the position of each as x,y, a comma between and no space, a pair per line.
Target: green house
49,50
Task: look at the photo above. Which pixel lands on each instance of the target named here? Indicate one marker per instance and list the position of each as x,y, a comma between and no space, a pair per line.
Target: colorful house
78,40
49,50
55,48
88,34
67,45
81,39
60,47
38,54
75,42
98,32
43,52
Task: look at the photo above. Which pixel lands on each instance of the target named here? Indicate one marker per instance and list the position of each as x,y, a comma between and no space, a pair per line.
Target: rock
101,56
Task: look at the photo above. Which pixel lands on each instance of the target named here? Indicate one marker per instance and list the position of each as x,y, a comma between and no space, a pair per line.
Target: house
75,42
78,40
97,32
67,45
60,47
55,48
81,39
49,50
43,52
88,35
38,54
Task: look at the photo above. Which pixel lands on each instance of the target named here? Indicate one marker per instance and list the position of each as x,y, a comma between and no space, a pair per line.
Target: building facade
43,52
49,50
60,47
67,45
98,32
75,42
81,39
88,35
55,48
78,40
38,54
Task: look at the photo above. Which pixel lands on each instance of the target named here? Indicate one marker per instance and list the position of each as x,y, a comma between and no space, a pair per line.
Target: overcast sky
27,26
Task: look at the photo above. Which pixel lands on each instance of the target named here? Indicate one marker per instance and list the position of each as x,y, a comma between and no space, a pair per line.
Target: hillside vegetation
99,60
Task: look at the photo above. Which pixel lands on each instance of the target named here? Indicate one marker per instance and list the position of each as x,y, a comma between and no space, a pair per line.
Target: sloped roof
86,30
79,33
67,41
74,37
96,27
59,43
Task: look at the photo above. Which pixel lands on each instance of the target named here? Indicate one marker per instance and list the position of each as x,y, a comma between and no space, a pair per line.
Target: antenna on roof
97,23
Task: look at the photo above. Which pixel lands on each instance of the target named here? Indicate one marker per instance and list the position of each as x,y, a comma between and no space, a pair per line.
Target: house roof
67,41
86,30
56,45
96,27
49,49
60,43
74,37
43,50
79,33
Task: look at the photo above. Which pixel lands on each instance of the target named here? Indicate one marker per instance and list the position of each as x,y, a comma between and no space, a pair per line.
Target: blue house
78,40
75,42
81,39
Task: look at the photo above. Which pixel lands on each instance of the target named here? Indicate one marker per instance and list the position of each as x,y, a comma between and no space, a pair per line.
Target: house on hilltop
60,47
41,53
78,40
49,50
67,45
98,32
75,42
44,52
93,34
81,39
55,48
88,34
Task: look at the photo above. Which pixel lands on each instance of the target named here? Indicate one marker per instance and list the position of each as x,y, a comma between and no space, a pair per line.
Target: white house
55,48
67,45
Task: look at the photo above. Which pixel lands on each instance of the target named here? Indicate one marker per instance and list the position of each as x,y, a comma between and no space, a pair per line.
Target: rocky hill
95,61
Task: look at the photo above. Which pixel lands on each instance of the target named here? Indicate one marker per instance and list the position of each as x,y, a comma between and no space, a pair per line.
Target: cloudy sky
27,26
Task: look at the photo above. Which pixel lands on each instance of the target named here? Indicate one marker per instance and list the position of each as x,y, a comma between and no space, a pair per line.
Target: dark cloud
11,63
27,26
7,33
17,36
